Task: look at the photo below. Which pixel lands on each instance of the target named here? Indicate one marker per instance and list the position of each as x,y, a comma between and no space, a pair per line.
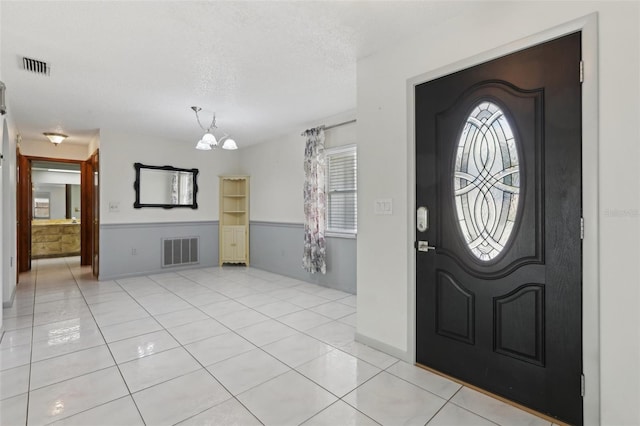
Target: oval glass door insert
486,181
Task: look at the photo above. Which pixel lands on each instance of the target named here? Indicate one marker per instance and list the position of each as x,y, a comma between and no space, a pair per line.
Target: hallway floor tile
210,346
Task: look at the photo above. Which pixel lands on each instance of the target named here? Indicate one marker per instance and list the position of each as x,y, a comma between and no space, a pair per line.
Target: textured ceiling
264,67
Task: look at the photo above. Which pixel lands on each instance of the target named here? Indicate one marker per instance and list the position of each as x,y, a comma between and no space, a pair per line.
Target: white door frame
590,197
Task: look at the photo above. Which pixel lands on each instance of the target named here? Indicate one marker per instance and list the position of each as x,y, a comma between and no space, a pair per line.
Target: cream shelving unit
234,220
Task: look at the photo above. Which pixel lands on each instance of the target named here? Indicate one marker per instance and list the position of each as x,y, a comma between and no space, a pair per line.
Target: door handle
424,246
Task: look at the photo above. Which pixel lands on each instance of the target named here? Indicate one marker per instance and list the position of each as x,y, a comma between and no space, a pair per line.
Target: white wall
2,231
44,148
119,152
276,179
277,172
3,134
384,277
8,255
61,178
8,207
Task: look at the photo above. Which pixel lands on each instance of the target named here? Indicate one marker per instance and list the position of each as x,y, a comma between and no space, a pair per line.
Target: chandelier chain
213,121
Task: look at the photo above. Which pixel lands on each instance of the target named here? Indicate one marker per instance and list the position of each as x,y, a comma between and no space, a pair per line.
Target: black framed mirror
165,186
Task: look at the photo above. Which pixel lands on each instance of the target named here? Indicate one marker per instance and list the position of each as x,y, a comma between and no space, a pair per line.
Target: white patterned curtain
314,258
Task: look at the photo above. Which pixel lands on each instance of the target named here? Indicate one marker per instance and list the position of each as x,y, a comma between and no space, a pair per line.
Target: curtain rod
333,125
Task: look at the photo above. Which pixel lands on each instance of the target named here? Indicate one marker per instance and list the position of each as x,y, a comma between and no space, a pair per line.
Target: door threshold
554,421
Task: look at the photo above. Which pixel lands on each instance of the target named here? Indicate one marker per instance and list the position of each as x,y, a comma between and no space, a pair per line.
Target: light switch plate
383,206
114,206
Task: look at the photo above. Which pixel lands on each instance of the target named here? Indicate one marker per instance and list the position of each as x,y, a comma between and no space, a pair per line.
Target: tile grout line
171,290
334,403
33,320
470,411
248,307
110,353
340,349
29,390
235,397
292,368
181,345
256,346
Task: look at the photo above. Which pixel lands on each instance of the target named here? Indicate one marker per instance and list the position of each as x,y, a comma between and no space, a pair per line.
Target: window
487,181
341,190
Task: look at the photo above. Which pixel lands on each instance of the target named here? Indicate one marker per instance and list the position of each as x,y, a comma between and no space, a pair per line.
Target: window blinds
341,190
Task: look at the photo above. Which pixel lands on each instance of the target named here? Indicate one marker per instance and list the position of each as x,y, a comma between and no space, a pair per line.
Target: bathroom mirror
56,190
165,186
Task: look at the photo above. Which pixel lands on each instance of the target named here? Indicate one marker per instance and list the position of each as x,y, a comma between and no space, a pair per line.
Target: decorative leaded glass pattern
486,181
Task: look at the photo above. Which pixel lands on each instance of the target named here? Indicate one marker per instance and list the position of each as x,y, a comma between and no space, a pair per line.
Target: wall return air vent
180,251
35,66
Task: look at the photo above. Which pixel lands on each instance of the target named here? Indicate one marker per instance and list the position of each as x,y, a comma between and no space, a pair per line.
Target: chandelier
209,140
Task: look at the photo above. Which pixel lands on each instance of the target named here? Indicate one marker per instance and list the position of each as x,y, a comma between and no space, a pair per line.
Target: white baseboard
383,347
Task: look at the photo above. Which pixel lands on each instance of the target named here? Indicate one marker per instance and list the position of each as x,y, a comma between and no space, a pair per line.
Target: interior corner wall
383,275
94,144
277,211
130,239
277,175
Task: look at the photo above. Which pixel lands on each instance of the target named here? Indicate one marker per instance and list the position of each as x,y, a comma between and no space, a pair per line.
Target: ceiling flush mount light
55,138
209,140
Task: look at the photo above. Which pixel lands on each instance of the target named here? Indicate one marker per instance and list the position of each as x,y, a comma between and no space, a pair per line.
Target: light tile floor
212,346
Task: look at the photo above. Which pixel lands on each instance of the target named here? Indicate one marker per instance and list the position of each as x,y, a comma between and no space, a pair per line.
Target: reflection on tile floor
211,346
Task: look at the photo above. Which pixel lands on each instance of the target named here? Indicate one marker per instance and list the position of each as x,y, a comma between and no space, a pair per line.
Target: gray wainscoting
132,249
277,247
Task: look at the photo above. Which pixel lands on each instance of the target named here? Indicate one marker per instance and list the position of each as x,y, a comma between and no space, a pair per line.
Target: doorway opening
56,204
56,209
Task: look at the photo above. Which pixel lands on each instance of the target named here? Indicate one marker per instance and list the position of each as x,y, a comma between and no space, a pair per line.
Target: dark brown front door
499,251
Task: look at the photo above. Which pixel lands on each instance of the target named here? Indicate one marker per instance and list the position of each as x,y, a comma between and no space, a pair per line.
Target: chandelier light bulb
229,144
203,146
209,138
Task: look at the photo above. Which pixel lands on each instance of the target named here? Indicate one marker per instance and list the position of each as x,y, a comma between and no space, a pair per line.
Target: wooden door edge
23,205
553,420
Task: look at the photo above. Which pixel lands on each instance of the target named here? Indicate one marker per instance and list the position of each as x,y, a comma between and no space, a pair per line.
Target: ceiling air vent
35,66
